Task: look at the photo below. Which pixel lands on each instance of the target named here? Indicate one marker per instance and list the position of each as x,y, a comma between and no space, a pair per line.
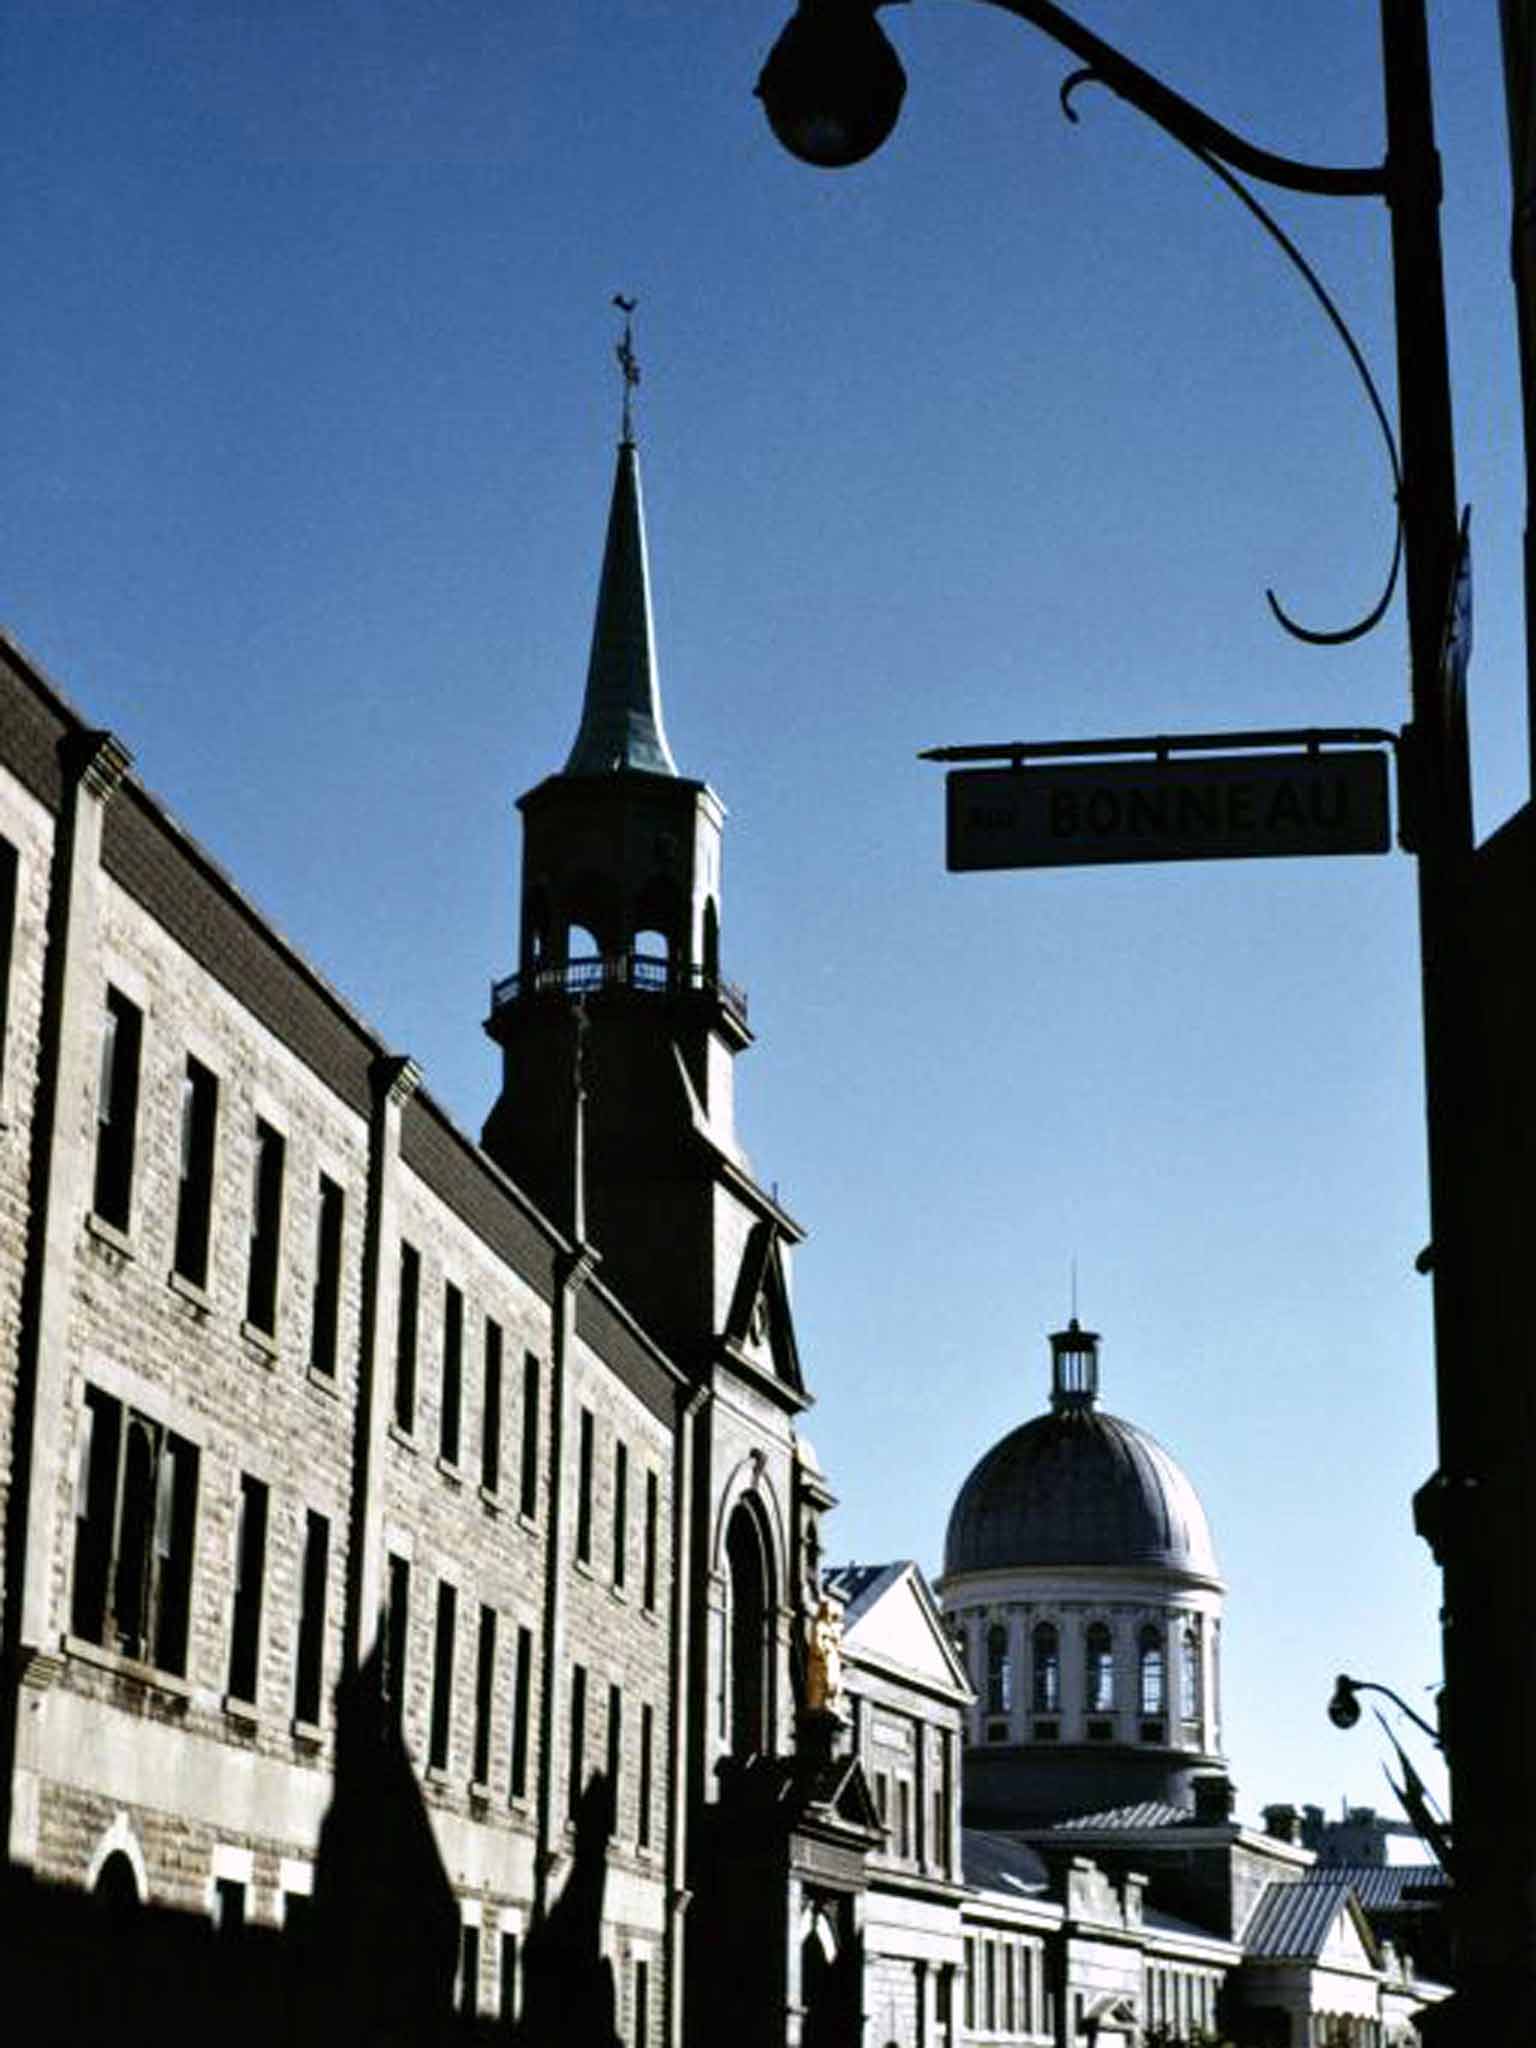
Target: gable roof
890,1618
1390,1887
1320,1920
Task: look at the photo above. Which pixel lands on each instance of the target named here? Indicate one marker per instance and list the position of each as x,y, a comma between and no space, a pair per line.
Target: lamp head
832,86
1344,1707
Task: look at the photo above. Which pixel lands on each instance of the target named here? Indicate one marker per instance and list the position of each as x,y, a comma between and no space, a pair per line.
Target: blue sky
307,439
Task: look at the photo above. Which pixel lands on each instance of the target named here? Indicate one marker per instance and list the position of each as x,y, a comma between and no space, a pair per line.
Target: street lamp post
832,90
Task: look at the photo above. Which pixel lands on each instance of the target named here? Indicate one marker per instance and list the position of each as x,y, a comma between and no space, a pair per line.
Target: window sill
242,1711
260,1340
126,1667
323,1382
528,1522
307,1734
403,1438
450,1469
491,1499
109,1234
619,1594
479,1792
583,1565
190,1291
437,1775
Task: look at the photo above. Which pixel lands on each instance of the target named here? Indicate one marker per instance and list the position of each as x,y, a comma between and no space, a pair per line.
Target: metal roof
1293,1921
621,724
1001,1863
1384,1887
1149,1813
1078,1488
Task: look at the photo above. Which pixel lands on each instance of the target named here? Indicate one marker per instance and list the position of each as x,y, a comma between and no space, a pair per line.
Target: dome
1077,1487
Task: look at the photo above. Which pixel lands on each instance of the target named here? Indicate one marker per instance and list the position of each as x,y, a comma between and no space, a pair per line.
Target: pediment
901,1625
760,1327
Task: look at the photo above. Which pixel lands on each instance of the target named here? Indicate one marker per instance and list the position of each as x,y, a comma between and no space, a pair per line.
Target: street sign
1044,814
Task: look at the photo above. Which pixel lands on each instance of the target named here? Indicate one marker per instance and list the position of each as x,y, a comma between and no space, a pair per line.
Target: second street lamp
830,112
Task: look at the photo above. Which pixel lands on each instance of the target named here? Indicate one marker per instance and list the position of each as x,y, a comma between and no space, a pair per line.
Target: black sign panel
1046,814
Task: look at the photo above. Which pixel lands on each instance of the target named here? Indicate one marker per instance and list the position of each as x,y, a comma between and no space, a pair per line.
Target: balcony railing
651,973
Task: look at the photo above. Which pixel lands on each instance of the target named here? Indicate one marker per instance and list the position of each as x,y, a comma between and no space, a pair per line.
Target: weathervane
627,364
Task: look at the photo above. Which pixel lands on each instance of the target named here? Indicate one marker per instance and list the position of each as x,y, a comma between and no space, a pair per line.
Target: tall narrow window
1189,1674
750,1605
325,1309
506,2007
584,1487
652,1522
8,883
615,1754
647,1765
405,1337
490,1410
577,1752
1150,1657
250,1570
442,1677
903,1817
309,1670
117,1109
999,1671
620,1513
266,1229
642,2029
485,1681
522,1693
397,1623
453,1373
1099,1657
528,1478
194,1197
135,1512
1047,1672
468,2000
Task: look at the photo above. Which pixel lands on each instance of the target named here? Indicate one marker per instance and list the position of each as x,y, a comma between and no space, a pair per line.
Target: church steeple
619,954
621,712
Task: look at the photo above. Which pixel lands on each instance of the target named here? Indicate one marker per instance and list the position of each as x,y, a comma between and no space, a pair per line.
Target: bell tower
618,1031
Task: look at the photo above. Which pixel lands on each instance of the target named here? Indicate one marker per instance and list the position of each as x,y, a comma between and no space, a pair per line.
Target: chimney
1215,1795
1283,1823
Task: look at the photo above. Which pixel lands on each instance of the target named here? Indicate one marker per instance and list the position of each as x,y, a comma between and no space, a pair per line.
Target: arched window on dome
1189,1674
999,1671
1099,1668
1047,1669
1150,1666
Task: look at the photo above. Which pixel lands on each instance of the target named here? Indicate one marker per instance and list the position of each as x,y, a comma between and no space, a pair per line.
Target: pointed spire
621,713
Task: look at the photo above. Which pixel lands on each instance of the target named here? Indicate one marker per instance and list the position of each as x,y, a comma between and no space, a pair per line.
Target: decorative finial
630,369
1074,1287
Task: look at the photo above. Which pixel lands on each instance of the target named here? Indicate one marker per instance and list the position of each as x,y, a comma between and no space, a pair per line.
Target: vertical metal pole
1518,22
1464,1510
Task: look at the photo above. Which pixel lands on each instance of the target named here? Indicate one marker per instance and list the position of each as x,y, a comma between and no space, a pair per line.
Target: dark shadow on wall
569,1994
371,1958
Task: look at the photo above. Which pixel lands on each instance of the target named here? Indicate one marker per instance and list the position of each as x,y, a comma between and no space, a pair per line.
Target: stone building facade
415,1612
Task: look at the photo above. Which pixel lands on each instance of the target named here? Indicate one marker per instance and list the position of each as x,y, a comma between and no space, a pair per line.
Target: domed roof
1078,1487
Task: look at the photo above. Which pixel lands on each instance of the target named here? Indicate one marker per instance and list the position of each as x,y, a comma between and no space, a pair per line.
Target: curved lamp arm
1187,122
1344,1706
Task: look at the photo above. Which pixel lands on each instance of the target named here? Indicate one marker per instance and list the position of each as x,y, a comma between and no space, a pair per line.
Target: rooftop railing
651,973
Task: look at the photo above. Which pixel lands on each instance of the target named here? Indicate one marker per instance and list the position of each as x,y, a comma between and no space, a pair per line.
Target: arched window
747,1564
1099,1671
999,1671
1150,1664
1047,1671
1189,1674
